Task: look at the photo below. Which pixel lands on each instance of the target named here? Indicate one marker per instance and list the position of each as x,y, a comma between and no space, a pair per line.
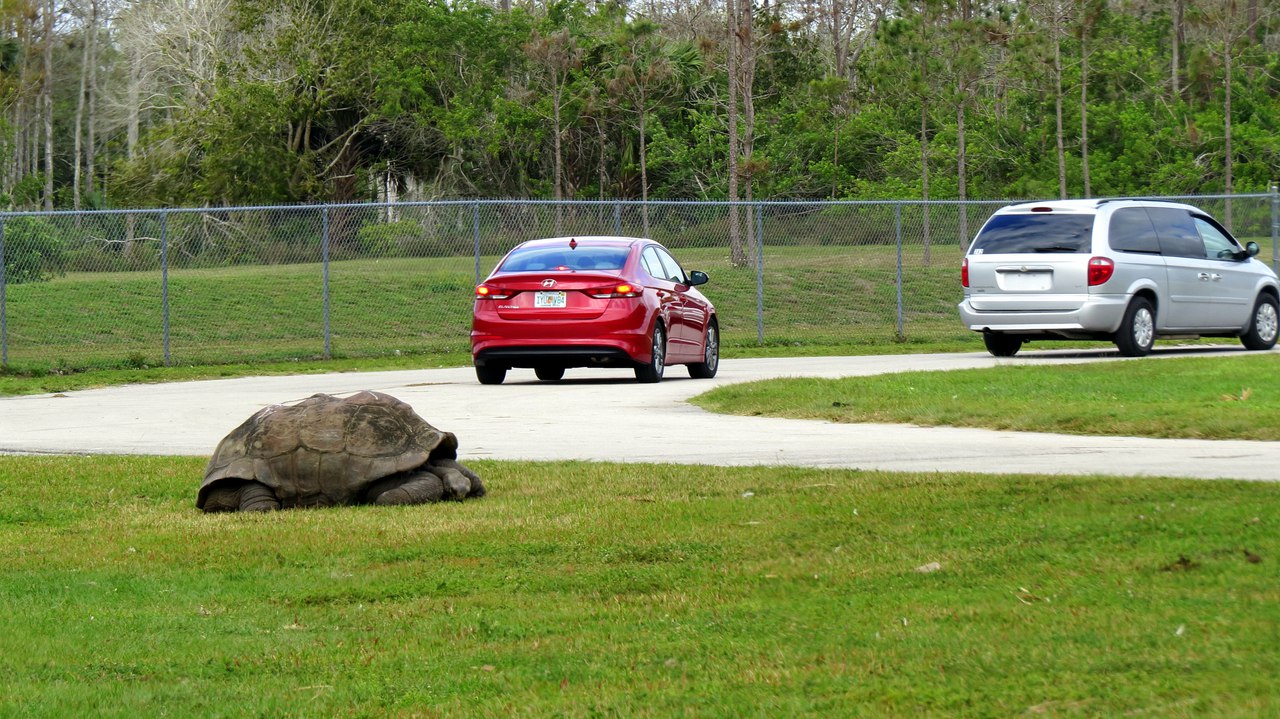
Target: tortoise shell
326,450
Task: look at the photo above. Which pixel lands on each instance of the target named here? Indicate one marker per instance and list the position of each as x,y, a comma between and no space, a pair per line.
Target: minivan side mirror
700,278
1252,249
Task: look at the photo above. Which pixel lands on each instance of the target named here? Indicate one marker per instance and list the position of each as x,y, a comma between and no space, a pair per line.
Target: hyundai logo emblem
548,283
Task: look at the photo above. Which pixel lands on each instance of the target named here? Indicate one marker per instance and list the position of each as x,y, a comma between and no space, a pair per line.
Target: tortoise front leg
460,480
411,488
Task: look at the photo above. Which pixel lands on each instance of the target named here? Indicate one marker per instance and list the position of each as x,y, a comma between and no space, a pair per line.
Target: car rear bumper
507,354
1100,315
620,337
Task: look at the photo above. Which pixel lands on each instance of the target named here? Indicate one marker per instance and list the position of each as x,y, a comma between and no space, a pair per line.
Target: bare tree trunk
924,177
47,104
1084,115
644,175
746,88
746,91
1228,184
737,255
78,143
1057,106
92,90
1179,36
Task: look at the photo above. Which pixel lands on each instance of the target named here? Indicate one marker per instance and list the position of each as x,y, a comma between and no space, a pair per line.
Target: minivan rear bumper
1100,315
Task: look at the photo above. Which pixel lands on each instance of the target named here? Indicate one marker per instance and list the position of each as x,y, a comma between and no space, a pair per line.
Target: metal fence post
760,275
324,261
475,228
4,324
164,281
1275,226
617,219
897,225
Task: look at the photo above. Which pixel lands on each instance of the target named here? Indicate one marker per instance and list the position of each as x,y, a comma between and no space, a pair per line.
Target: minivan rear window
1019,234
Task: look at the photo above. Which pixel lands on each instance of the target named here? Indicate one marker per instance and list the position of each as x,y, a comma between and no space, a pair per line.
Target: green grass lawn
1231,397
585,590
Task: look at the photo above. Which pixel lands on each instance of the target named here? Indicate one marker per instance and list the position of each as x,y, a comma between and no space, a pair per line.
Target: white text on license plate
549,299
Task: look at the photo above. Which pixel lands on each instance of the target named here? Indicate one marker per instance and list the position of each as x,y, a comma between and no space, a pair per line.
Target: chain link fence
210,286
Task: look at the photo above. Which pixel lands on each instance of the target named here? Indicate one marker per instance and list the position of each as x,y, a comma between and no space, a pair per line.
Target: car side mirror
700,278
1251,249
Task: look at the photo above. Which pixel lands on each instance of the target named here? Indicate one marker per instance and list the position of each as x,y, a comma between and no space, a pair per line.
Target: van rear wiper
1057,248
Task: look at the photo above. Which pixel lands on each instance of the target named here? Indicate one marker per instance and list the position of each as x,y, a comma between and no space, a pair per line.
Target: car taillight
1100,270
964,272
485,292
620,290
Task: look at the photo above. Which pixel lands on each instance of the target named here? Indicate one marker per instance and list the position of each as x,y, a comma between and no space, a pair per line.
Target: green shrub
32,251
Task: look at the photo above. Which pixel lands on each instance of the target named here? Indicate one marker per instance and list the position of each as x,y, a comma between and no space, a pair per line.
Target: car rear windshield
535,259
1043,232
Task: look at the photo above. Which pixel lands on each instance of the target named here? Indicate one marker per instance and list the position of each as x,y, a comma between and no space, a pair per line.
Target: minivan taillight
964,272
1100,270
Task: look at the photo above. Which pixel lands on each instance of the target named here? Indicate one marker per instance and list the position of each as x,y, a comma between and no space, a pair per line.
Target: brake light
1100,270
964,272
485,292
620,290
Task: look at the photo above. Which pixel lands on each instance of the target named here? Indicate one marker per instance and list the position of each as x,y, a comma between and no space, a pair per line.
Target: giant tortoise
325,450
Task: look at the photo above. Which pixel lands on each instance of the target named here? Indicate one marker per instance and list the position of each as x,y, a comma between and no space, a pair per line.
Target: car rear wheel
489,374
1138,329
652,372
1264,326
1000,344
549,374
706,369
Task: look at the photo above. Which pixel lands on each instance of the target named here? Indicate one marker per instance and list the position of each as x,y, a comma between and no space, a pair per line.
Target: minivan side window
1217,243
1177,232
1131,231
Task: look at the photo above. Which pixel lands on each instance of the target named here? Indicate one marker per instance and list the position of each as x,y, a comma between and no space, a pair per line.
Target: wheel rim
712,355
659,350
1144,327
1265,322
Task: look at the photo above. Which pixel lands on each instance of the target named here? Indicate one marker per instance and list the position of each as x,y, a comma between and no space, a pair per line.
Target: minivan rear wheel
1138,329
1002,345
1264,326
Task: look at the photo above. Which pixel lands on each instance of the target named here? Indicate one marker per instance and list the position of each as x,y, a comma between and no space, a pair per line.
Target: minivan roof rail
1105,200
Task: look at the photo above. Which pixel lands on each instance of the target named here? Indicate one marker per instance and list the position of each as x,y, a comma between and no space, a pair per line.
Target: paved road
606,415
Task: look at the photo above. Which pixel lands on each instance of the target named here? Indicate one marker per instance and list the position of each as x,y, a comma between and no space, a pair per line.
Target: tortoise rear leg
411,488
258,497
247,496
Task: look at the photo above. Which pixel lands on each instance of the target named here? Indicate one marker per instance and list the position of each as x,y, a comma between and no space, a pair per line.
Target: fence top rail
162,211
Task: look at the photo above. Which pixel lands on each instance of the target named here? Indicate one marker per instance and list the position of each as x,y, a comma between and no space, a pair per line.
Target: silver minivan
1125,271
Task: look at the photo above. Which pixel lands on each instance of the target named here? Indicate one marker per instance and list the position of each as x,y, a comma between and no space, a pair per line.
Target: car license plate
549,299
1032,281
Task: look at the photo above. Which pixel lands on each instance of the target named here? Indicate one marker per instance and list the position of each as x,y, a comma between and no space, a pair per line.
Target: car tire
706,369
1138,329
1264,325
490,374
549,374
652,371
1000,344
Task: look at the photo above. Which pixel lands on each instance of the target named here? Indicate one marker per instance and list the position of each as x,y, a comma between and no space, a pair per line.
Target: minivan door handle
1206,277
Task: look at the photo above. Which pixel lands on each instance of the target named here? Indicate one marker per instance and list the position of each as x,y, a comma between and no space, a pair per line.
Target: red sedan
592,302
